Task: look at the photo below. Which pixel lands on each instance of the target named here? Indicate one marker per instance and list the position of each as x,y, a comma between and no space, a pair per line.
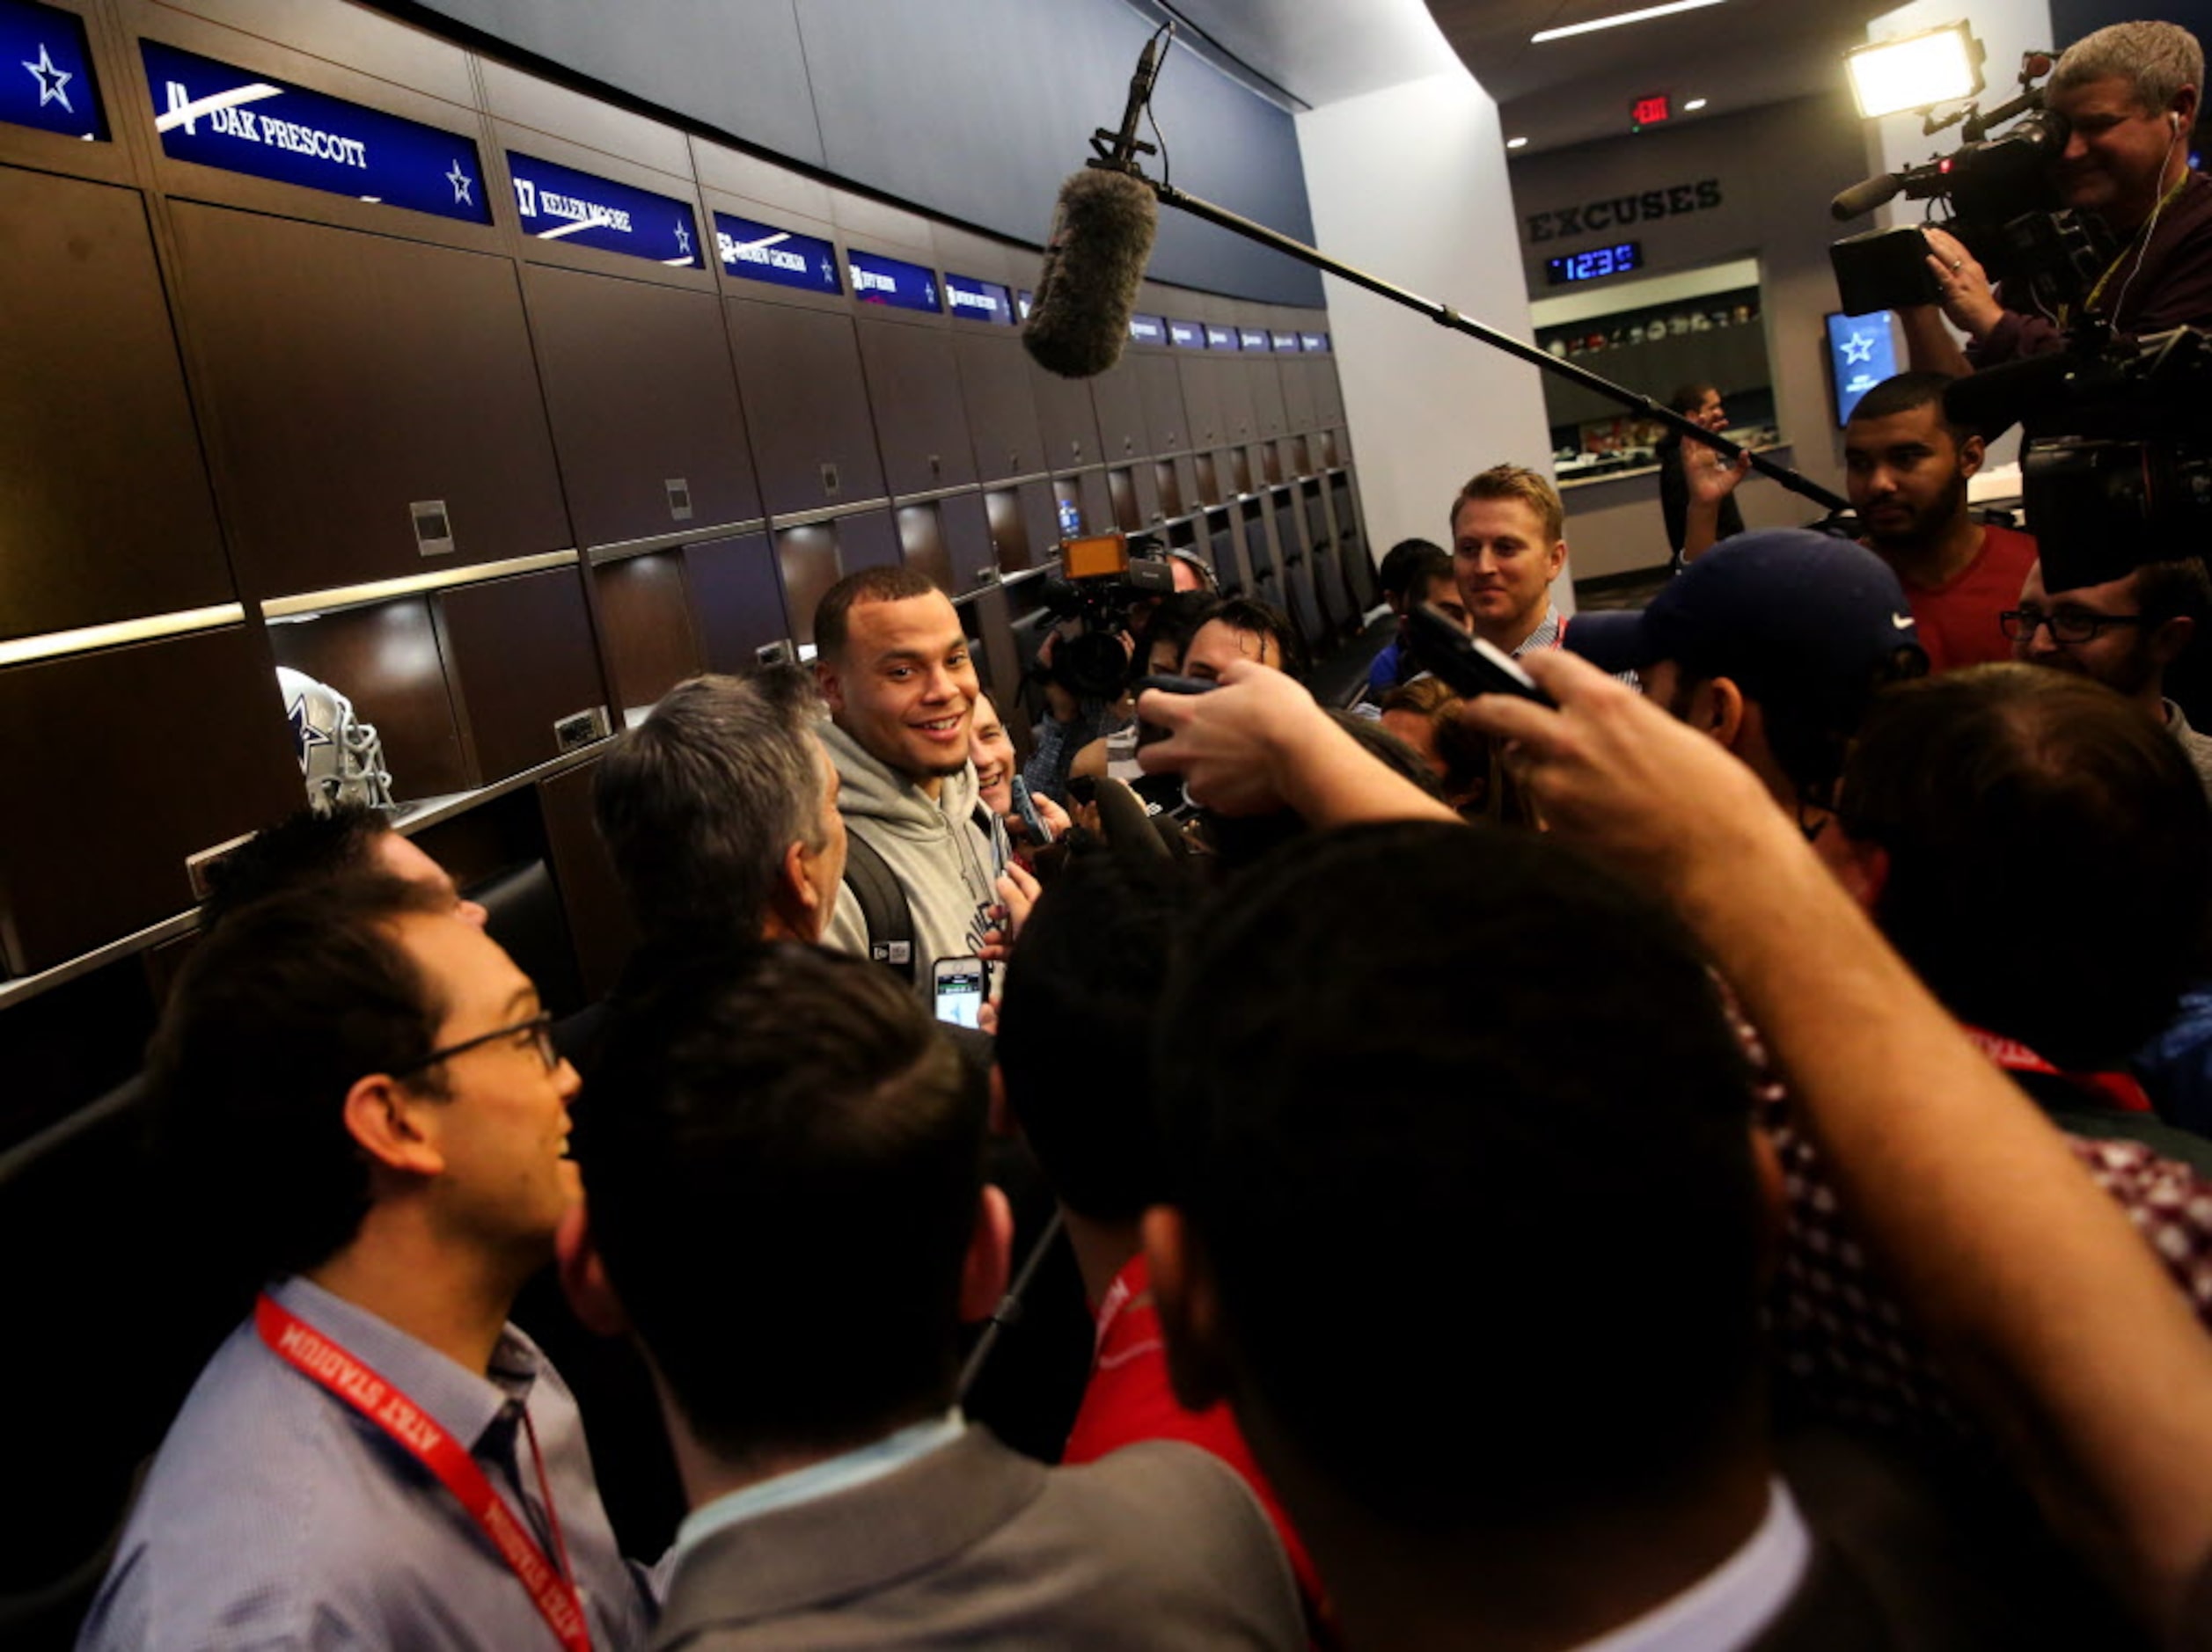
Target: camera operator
2129,94
1158,650
1078,713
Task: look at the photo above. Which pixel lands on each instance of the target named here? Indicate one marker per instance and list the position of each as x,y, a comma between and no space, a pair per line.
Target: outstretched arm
1259,743
1710,477
2048,1307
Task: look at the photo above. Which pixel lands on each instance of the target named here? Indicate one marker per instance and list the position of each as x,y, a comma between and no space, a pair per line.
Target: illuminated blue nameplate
1148,329
1186,335
46,71
1284,343
556,203
243,122
1220,338
1312,343
762,253
978,301
877,279
1251,339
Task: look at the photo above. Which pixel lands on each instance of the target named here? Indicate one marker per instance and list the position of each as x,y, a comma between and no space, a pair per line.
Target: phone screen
959,990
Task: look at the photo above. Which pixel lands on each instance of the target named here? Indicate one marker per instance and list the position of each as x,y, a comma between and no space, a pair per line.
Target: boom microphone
1101,237
1865,197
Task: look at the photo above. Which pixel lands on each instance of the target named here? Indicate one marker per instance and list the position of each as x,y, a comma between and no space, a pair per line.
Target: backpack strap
885,910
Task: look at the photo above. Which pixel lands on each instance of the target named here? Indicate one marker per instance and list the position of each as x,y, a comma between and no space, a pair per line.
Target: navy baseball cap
1793,617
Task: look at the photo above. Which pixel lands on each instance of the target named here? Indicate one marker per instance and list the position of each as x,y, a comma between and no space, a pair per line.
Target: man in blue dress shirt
364,1084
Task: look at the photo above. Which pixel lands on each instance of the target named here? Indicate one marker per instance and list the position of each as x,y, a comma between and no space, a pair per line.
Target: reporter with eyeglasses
360,1089
2126,633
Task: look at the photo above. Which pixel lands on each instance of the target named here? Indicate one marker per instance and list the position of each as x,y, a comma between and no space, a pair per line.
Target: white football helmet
340,756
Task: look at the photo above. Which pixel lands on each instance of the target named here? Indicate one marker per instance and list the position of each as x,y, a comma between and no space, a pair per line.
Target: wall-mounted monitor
978,300
234,118
1186,335
1219,338
1147,329
1313,343
1861,353
877,279
1595,265
557,203
784,258
1283,343
1252,339
53,89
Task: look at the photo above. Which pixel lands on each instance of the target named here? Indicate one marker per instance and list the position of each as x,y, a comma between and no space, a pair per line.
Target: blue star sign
1861,353
461,183
54,84
46,71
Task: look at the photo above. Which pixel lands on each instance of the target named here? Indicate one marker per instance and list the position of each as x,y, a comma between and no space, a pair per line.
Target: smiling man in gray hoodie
893,666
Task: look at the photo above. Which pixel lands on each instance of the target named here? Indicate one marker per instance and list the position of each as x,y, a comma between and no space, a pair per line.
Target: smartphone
1167,682
1467,665
957,985
1032,817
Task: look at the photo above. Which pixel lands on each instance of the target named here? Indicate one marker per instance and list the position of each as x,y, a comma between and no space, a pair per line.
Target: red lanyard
323,1361
2114,1089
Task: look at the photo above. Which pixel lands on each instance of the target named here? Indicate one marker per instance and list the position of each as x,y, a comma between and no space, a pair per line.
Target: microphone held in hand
1087,291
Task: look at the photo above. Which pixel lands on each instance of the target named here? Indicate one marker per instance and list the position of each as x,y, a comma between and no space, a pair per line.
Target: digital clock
1595,265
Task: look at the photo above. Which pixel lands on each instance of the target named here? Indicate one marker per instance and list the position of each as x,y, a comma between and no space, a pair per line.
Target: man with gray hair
2129,94
721,812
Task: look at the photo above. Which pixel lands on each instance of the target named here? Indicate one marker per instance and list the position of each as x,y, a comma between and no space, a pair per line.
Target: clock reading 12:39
1598,262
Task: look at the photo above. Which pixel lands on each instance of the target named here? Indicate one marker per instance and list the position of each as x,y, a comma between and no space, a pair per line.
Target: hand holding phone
956,989
1467,665
1033,821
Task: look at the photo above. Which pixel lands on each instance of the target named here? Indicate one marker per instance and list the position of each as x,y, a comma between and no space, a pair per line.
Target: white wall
1408,183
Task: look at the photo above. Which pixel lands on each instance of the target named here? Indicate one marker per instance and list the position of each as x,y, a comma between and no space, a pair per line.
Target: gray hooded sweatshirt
946,861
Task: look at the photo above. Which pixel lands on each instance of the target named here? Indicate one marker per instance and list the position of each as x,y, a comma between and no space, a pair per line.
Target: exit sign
1650,111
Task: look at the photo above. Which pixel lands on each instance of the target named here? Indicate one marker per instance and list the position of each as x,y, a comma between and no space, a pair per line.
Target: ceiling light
1935,66
1617,19
1517,143
1693,105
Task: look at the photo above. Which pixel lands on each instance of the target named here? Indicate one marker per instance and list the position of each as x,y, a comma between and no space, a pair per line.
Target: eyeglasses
2068,624
538,1027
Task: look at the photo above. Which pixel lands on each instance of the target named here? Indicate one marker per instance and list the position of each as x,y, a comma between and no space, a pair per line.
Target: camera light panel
1935,66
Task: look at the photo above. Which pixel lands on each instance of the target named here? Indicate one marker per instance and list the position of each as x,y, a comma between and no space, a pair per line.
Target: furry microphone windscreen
1102,237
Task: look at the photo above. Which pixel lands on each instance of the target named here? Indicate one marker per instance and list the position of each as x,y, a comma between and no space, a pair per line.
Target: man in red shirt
1074,1068
1906,469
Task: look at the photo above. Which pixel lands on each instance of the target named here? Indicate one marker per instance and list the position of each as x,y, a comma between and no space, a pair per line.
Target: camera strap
2150,226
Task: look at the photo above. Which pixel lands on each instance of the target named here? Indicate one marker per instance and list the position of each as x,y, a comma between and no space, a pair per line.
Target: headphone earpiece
2174,121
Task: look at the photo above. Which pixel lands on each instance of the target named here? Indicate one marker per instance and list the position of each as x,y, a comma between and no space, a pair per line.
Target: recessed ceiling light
1517,143
1617,19
1693,104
